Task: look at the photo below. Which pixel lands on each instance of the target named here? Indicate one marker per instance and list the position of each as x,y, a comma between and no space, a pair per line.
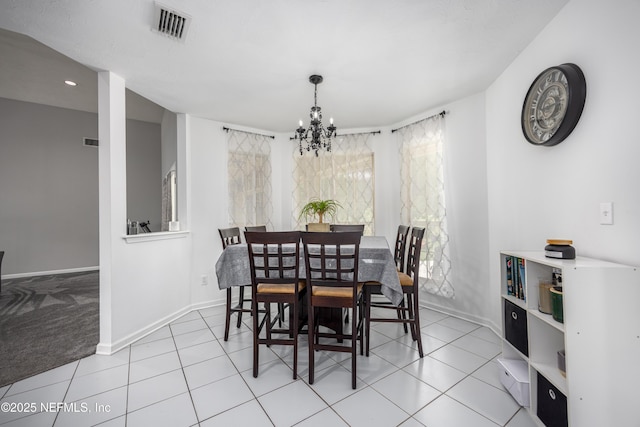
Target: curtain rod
441,114
226,129
373,132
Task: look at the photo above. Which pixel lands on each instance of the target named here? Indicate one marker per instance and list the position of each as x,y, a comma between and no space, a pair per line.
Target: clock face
553,105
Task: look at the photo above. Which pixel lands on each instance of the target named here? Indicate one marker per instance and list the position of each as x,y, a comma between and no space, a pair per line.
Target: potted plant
320,208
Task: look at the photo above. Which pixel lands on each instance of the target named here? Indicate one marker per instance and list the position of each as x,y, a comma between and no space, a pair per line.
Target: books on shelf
516,277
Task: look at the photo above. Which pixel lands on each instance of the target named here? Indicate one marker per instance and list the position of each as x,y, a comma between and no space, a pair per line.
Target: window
249,171
346,175
423,199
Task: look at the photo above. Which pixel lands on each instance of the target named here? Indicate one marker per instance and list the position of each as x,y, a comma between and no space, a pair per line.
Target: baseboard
46,273
464,316
107,349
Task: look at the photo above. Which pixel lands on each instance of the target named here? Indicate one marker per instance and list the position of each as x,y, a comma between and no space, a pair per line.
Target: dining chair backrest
413,254
401,246
255,228
229,236
347,227
331,259
274,257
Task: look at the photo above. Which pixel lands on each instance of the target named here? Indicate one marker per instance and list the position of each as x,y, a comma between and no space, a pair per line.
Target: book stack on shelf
516,283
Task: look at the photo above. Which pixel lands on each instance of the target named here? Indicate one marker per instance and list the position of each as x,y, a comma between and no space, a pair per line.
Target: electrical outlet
204,281
606,213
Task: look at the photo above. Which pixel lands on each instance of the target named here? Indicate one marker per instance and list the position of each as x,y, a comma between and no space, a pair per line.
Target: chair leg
240,305
402,314
256,332
227,315
416,324
311,338
367,318
410,309
354,343
293,320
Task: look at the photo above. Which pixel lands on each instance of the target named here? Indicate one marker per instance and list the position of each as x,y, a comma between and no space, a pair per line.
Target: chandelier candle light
315,137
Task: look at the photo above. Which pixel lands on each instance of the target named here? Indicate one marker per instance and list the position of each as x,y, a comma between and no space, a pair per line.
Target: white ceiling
247,62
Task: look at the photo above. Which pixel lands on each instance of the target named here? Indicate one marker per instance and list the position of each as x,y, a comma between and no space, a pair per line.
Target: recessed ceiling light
70,83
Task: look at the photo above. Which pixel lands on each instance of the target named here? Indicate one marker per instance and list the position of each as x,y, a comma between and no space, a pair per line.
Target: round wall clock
553,104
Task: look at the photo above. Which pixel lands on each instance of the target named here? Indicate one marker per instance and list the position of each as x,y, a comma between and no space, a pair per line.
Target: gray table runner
375,265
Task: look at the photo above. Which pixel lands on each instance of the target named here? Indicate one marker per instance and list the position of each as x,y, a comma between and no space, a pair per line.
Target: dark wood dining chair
347,227
409,281
274,259
400,249
331,265
255,228
231,236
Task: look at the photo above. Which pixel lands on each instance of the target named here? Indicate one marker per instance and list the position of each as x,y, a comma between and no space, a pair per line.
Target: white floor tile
446,412
97,382
442,332
42,419
459,324
192,315
238,341
333,384
243,359
152,366
494,404
162,333
271,375
98,362
291,404
478,346
176,411
486,334
200,352
182,374
192,338
220,396
51,393
103,407
371,369
152,348
323,419
396,353
56,375
210,370
155,389
188,326
406,391
490,374
459,358
368,408
247,414
435,373
522,419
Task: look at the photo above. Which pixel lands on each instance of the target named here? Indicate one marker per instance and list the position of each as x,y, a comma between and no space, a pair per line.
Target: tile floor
184,374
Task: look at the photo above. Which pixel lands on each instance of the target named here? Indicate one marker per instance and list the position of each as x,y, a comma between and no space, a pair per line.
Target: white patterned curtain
423,199
345,174
249,176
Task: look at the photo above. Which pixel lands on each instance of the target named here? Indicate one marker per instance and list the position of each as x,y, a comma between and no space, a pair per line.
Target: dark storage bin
515,327
552,404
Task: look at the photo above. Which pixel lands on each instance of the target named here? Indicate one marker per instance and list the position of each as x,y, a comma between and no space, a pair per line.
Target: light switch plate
606,213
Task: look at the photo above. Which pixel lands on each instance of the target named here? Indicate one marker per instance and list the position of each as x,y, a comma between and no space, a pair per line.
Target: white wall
537,193
466,204
143,285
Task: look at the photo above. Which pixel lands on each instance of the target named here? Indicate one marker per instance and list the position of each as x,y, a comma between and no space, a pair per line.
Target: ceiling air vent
89,142
170,22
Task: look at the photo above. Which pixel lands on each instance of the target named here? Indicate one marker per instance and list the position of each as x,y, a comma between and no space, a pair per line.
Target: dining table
375,264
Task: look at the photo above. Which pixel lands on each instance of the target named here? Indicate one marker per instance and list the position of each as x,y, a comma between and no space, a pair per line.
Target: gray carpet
46,322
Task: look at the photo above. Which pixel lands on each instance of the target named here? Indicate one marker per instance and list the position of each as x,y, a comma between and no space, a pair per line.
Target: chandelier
315,137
